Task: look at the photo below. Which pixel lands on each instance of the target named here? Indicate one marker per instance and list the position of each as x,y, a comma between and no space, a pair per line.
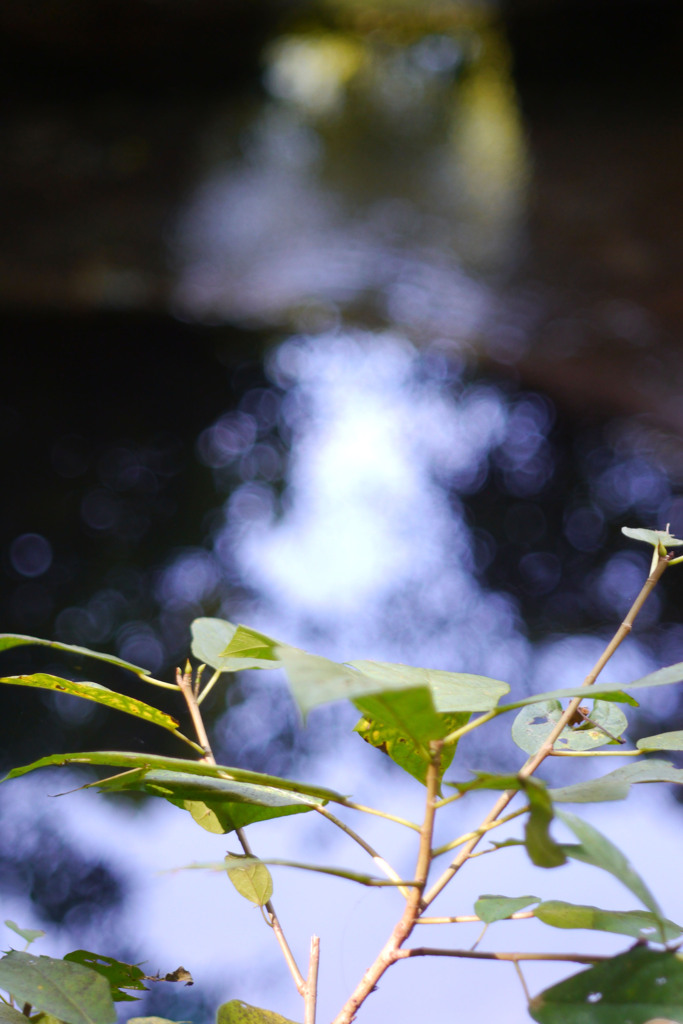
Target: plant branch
379,814
381,863
475,954
519,915
311,995
209,686
546,748
184,680
402,930
478,832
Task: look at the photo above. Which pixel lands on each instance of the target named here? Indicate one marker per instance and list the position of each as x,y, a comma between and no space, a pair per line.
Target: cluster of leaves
417,717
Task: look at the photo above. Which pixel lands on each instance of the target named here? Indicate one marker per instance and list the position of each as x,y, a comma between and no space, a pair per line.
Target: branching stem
381,863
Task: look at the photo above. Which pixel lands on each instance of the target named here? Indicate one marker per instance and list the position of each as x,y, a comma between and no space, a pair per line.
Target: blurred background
358,322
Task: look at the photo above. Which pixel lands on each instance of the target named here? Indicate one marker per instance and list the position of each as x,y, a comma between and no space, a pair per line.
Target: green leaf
640,924
149,762
412,757
97,693
662,741
616,785
71,992
497,908
534,723
543,851
636,986
211,637
249,643
451,691
118,974
598,850
250,877
218,805
8,1015
8,640
237,1012
654,537
607,691
27,934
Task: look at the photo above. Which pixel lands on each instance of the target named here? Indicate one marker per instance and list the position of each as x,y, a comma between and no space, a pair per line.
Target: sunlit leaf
97,693
218,805
497,908
607,691
636,986
237,1012
640,924
250,877
451,691
534,724
411,755
69,991
211,637
249,643
654,537
8,640
27,934
596,849
616,785
118,974
662,741
149,762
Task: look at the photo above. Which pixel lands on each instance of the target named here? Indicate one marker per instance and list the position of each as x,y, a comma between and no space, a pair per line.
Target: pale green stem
381,863
379,814
597,753
479,832
472,954
158,682
209,686
519,915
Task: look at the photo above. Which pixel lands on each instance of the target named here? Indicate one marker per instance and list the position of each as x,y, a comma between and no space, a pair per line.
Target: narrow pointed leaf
543,851
250,877
596,849
237,1012
69,991
97,693
607,691
498,908
218,805
27,934
616,785
534,723
637,986
211,637
118,974
351,876
249,643
8,640
640,924
148,762
662,741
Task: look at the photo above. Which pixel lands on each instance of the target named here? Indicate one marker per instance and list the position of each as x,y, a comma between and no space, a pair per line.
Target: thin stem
379,814
381,863
184,680
597,753
209,686
519,915
311,996
527,994
478,832
454,736
159,682
546,748
475,954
